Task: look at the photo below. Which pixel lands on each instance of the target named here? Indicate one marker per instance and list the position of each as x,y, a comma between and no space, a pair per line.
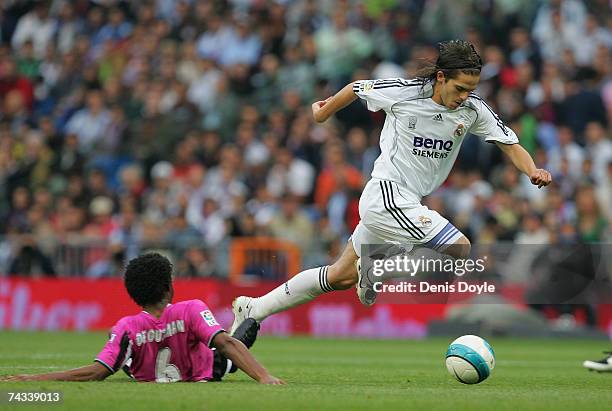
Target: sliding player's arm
236,351
523,161
203,324
93,372
116,352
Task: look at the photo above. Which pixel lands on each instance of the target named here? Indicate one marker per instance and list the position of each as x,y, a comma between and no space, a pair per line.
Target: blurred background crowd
184,124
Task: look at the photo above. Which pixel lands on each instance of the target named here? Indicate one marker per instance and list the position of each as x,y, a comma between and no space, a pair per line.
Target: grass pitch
328,374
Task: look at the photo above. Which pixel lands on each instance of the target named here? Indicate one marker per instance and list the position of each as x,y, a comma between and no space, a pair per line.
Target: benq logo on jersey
209,318
441,147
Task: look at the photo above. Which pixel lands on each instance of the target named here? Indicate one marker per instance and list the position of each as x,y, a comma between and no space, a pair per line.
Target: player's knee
344,283
341,278
460,248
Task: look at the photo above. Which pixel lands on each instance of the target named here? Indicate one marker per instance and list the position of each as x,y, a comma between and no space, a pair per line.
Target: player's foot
604,364
365,286
241,307
247,332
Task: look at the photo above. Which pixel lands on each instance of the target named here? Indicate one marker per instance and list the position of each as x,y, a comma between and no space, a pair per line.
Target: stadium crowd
181,125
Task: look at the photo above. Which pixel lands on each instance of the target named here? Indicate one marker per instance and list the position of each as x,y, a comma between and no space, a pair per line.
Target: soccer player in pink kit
167,342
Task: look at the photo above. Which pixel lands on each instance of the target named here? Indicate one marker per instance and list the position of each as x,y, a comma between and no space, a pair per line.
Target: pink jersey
174,347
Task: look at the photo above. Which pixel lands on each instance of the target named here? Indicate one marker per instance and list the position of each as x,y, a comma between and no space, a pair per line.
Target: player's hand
271,380
540,178
316,110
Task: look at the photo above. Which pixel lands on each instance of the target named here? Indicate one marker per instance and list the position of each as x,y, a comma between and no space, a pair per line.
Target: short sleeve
380,94
203,322
118,348
489,125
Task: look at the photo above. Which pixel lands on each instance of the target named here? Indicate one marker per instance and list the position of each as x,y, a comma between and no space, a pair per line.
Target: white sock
300,289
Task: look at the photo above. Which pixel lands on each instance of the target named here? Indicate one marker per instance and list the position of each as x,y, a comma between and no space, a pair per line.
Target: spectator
243,46
159,198
340,48
207,218
215,39
336,172
101,224
591,221
91,123
292,224
30,261
68,27
567,13
111,266
599,148
202,91
115,30
128,230
197,263
593,37
567,148
17,218
36,26
290,176
11,80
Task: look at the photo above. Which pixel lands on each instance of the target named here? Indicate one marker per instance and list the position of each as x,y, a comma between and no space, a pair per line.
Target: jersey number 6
165,372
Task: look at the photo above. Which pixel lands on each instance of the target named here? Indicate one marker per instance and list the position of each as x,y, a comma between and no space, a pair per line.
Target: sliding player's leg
300,289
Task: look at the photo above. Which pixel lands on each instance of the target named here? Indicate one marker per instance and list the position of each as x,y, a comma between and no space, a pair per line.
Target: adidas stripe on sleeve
489,125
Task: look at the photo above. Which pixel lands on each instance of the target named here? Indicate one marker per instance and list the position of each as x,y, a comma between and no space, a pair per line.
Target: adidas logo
438,117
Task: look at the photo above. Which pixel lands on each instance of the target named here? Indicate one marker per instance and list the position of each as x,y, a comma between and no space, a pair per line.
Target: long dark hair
454,57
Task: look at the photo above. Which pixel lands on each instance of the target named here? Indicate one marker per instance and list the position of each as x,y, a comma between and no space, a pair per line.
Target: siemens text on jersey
433,143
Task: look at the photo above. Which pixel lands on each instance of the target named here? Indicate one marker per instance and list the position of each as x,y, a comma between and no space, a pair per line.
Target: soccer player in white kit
426,121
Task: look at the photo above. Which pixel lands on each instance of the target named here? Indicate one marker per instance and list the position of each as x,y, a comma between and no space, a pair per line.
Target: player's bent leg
221,366
246,333
342,274
459,249
363,236
300,289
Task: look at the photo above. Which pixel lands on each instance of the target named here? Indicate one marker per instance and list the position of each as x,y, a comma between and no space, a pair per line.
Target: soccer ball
470,359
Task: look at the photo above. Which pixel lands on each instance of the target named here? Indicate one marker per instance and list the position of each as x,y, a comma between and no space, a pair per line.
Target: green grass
330,374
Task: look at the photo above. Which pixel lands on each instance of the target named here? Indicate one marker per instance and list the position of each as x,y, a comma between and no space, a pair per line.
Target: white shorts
388,216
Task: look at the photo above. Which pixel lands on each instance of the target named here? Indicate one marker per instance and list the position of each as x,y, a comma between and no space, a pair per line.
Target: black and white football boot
603,365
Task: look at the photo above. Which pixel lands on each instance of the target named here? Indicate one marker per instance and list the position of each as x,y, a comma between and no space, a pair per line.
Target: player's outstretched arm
324,109
523,161
93,372
237,352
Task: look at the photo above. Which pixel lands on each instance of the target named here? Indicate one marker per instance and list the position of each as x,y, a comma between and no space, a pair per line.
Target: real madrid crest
459,130
425,221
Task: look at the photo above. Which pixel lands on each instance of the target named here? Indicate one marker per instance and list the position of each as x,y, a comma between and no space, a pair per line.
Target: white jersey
421,138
